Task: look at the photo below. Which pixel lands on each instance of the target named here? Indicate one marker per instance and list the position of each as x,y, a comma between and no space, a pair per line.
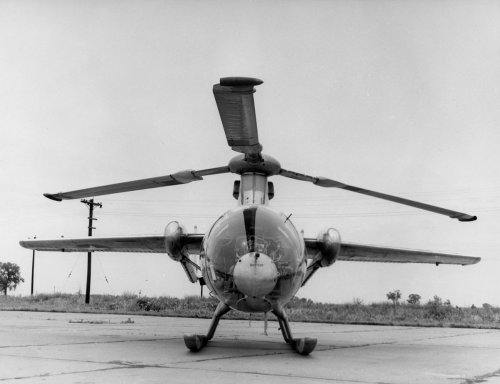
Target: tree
394,296
487,306
10,277
414,299
436,301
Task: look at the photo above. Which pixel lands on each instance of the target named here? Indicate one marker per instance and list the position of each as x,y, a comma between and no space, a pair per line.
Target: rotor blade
181,177
234,98
328,183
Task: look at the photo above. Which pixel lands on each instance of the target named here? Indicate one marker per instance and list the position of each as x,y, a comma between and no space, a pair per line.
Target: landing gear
196,342
304,346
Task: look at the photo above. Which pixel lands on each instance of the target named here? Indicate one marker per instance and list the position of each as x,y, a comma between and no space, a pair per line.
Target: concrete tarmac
39,347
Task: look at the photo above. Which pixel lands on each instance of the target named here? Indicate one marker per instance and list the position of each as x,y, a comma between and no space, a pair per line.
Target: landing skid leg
196,342
304,346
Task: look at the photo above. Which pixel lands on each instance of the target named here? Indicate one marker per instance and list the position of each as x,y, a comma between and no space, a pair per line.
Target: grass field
434,313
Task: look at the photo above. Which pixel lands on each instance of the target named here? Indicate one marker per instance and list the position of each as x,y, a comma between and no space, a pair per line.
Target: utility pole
33,271
91,205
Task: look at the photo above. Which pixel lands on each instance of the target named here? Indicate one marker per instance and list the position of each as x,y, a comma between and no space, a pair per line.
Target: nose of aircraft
255,274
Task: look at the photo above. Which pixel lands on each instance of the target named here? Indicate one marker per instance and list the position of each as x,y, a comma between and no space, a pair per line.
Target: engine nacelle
173,240
328,241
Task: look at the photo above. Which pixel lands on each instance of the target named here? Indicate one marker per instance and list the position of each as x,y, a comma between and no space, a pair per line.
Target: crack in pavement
482,378
176,338
45,375
70,360
128,365
456,335
87,342
408,342
284,375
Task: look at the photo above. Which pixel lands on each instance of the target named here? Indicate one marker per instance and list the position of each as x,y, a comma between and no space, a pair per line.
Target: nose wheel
304,345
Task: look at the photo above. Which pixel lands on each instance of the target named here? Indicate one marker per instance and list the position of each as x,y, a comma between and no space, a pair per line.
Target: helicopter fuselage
253,258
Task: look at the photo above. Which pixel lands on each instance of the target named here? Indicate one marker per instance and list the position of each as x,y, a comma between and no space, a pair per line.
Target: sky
397,97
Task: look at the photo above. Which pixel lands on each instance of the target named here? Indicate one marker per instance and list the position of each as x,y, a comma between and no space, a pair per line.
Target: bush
150,304
437,310
434,313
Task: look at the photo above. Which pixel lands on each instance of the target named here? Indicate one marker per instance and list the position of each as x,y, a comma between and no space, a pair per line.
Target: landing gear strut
304,346
196,342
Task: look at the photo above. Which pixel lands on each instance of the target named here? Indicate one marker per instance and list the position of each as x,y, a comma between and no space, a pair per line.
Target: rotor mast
253,189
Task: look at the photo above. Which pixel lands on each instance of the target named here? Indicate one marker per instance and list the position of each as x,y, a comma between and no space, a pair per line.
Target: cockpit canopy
253,228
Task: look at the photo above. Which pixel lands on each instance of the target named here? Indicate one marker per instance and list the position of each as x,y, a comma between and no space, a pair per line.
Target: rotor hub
263,164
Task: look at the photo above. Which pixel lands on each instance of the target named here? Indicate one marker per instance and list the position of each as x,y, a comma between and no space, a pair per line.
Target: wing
148,244
357,252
